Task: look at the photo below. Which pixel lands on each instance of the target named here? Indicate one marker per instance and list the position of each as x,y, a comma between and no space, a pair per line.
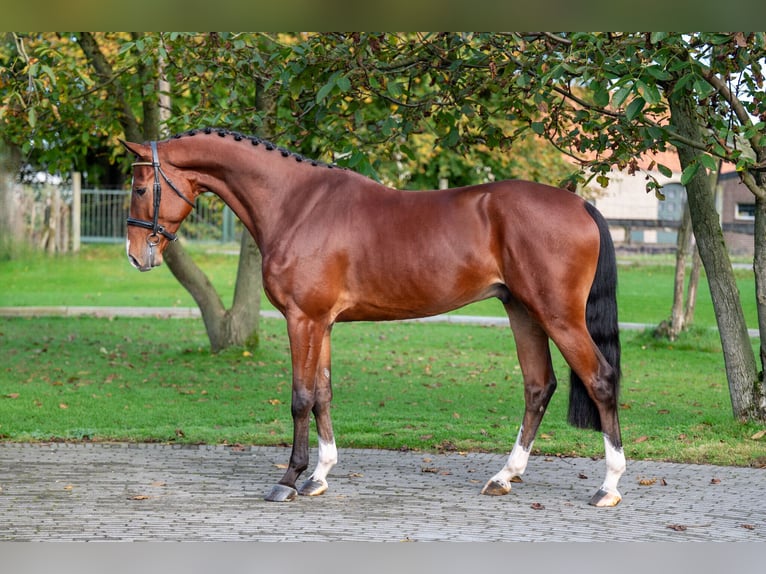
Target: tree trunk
10,233
759,267
739,359
237,326
694,280
677,323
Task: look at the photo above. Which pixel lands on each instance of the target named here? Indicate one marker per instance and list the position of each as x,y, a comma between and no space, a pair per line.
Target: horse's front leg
306,338
539,385
328,453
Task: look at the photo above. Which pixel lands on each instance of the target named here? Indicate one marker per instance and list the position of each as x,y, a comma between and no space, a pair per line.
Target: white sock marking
328,457
516,464
615,465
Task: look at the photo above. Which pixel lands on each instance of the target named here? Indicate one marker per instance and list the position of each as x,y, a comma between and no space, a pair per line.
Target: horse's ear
134,148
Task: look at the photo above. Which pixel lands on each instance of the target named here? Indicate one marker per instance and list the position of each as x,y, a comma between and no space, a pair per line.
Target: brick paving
89,492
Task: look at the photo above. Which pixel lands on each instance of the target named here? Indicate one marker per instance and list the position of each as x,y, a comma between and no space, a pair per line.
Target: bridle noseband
154,225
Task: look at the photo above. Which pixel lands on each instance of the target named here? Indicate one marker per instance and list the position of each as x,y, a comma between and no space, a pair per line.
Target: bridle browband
154,225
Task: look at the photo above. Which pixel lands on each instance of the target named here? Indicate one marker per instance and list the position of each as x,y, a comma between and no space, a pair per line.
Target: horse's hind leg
328,453
539,384
600,381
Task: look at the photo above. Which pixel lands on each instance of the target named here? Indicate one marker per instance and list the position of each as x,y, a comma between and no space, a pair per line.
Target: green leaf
689,172
621,95
32,118
657,37
538,128
702,88
126,47
343,83
325,90
664,170
406,150
394,89
649,92
452,137
634,108
601,97
683,81
658,73
709,162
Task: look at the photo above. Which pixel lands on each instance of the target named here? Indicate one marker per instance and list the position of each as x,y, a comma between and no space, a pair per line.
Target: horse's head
154,216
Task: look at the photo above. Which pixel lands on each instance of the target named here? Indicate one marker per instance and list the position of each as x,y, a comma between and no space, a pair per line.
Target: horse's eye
140,190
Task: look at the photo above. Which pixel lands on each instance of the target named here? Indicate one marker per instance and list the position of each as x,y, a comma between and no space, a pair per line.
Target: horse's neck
255,182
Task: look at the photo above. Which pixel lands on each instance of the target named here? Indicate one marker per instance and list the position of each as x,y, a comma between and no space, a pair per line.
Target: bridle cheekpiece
154,225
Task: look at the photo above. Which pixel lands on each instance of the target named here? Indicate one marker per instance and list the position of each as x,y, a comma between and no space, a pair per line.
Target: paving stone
193,493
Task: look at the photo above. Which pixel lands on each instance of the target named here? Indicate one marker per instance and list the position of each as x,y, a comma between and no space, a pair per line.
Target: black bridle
154,225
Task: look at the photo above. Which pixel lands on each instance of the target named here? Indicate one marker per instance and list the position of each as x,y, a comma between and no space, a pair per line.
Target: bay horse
338,246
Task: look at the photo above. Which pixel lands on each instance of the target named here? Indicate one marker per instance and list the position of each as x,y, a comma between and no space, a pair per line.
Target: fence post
76,215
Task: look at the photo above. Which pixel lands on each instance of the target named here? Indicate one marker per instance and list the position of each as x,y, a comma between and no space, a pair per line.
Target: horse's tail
601,319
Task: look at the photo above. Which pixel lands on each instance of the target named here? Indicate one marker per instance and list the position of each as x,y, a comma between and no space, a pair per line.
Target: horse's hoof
604,498
495,488
281,493
313,487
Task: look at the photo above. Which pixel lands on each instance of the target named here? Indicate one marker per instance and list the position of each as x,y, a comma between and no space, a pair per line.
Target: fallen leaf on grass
582,476
536,506
677,527
757,436
12,396
63,406
747,526
280,465
140,497
159,483
647,481
643,438
715,481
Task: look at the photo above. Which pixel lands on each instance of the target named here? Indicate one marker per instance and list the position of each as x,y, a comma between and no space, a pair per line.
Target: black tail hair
601,319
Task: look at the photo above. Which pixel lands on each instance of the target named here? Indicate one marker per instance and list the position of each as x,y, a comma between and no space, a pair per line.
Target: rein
154,225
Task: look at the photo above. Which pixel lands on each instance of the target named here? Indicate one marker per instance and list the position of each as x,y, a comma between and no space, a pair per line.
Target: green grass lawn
397,385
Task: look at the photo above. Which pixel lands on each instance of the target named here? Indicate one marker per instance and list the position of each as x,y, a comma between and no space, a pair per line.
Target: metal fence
103,213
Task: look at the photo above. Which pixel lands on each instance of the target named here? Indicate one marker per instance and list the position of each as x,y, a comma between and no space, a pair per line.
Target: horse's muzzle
148,260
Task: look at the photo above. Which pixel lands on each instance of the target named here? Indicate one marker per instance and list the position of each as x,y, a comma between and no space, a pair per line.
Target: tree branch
736,105
104,71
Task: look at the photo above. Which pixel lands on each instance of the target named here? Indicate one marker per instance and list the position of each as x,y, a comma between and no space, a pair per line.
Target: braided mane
255,140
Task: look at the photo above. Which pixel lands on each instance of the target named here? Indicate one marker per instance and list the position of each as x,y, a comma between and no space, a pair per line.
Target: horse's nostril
134,261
